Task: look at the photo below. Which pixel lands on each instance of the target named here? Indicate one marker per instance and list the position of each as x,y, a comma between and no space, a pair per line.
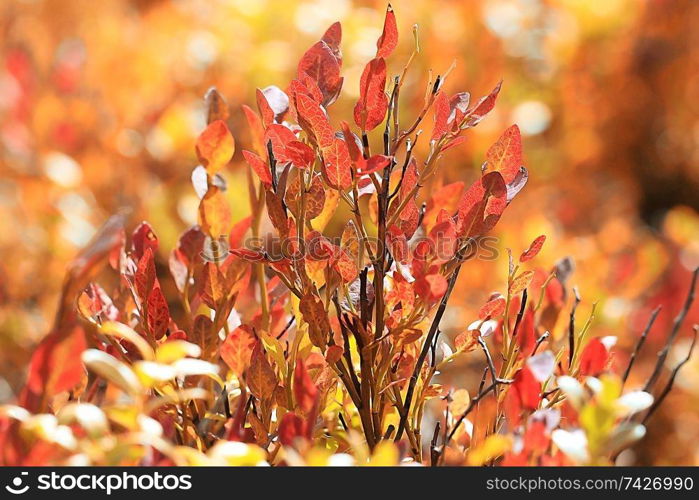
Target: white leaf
572,443
633,402
572,389
542,365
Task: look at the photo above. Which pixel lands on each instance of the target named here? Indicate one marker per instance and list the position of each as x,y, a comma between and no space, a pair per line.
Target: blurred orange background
101,102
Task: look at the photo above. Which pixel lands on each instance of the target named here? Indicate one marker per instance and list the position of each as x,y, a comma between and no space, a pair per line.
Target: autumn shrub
288,345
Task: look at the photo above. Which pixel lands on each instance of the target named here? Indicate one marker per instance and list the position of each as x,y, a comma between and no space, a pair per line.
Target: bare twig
540,340
668,387
662,355
425,349
571,328
639,344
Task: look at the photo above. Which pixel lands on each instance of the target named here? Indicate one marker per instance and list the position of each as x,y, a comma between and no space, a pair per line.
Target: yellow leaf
494,446
385,455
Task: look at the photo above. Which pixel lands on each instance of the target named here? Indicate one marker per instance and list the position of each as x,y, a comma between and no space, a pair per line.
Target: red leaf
276,212
337,164
215,147
142,238
236,350
259,166
353,145
257,130
55,366
280,136
431,287
593,360
481,206
144,278
264,107
372,105
320,63
158,317
443,237
505,156
483,107
409,216
291,427
441,116
533,249
388,40
458,106
247,254
300,154
397,244
238,231
536,437
333,37
522,395
374,164
314,120
305,391
529,388
493,308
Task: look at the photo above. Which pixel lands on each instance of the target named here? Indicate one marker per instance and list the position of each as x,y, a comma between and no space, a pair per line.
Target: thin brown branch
425,349
639,344
679,319
671,382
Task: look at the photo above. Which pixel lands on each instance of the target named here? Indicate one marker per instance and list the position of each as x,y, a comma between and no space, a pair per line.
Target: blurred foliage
100,105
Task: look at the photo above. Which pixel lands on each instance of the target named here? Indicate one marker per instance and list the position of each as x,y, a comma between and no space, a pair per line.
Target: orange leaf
521,282
314,314
236,350
259,166
264,108
533,249
388,40
257,131
336,166
334,354
372,105
214,213
215,147
260,376
345,266
493,308
505,156
277,214
216,105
